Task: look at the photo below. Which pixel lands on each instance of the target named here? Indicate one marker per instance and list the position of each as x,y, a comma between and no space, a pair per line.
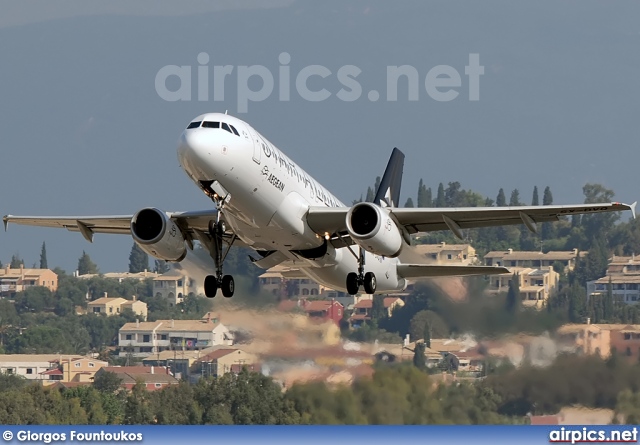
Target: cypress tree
43,257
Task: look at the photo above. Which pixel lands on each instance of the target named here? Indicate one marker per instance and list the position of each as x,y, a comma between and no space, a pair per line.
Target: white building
141,339
623,274
31,366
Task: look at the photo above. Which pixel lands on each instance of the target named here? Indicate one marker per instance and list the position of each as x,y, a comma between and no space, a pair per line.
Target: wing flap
435,270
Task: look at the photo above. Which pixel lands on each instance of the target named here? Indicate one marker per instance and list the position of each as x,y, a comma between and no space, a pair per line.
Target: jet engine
158,235
372,228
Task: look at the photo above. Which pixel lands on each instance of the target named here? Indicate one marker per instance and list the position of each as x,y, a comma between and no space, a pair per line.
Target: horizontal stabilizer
435,270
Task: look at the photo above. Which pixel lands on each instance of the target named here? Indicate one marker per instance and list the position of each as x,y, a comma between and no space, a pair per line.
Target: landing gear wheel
228,286
210,286
370,283
352,283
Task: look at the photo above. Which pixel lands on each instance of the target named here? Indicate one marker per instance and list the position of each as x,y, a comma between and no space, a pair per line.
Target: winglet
5,220
633,209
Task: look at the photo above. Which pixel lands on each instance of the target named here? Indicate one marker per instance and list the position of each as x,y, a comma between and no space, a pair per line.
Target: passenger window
226,127
194,124
234,130
210,124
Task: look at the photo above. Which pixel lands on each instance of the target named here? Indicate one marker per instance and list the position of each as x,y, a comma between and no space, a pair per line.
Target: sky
84,129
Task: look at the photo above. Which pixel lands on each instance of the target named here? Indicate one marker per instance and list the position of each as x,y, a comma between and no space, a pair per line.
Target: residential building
116,305
120,276
179,362
223,361
289,283
533,260
536,285
362,309
76,370
175,285
601,339
31,366
153,377
443,253
623,275
141,339
323,310
13,281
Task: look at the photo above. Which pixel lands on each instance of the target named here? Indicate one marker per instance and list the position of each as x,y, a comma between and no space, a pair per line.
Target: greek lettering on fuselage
317,192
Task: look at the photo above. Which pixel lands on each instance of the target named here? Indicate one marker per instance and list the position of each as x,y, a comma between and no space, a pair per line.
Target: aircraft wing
434,270
193,224
332,220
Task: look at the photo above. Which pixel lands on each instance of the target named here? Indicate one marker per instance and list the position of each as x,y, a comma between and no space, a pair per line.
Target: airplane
263,200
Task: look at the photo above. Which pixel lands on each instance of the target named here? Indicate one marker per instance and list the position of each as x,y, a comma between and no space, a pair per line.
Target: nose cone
193,152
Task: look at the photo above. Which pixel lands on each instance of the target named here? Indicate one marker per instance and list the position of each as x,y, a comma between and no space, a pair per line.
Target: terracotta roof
215,355
545,420
107,300
319,305
54,371
136,369
367,304
435,248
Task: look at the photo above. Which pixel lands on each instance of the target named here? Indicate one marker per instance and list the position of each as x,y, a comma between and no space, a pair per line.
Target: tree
419,359
409,202
453,195
427,334
441,200
160,267
378,311
16,261
535,200
547,197
501,199
85,265
513,295
43,257
138,259
107,382
547,227
515,198
424,195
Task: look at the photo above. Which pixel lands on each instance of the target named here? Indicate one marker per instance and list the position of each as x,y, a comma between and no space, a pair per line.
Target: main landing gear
219,281
355,280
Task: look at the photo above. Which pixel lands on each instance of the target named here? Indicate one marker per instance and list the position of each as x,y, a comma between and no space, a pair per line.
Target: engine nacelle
372,228
158,235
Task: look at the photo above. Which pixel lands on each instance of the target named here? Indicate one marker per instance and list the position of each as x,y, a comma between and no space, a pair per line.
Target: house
179,362
362,309
443,253
600,339
224,360
120,276
32,366
288,283
536,285
75,370
13,281
153,377
534,260
323,310
141,339
623,275
115,306
175,285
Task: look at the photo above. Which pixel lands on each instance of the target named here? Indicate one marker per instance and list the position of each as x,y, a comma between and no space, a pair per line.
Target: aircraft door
257,148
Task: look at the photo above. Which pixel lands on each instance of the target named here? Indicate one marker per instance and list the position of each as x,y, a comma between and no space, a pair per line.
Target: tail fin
388,193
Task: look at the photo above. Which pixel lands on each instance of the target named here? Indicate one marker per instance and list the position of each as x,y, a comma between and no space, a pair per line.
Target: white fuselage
269,197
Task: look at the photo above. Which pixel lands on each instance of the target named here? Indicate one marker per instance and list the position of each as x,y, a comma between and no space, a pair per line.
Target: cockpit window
223,125
194,124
